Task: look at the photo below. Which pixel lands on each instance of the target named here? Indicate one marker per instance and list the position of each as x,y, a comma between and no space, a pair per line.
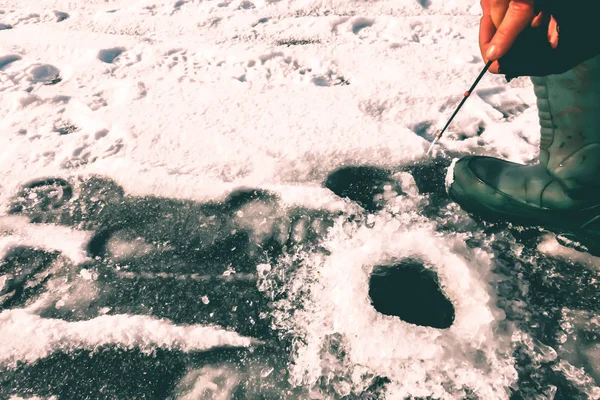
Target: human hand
521,37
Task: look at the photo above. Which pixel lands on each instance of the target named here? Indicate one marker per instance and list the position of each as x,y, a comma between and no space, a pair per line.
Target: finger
487,30
498,9
494,68
486,33
553,33
485,7
518,16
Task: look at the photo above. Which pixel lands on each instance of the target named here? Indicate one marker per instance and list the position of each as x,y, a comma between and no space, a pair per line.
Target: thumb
519,15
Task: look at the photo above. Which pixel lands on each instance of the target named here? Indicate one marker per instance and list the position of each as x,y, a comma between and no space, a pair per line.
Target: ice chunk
450,175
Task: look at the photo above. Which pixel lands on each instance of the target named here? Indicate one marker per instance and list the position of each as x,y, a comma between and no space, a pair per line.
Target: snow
238,108
18,231
450,174
28,337
196,99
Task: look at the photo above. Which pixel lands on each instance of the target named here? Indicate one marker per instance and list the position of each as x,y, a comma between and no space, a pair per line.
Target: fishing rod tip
432,145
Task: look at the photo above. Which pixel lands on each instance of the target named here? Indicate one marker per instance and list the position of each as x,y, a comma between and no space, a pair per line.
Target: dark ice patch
162,257
24,272
41,196
107,373
430,177
361,184
110,372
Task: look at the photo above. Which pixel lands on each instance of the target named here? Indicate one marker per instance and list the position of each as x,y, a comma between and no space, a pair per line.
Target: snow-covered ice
197,192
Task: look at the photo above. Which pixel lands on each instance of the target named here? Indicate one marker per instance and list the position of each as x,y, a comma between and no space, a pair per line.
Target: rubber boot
562,191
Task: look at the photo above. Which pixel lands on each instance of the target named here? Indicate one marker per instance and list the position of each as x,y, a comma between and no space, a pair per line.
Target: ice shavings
418,360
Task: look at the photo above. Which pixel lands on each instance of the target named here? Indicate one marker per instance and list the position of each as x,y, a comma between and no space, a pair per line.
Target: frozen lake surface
214,199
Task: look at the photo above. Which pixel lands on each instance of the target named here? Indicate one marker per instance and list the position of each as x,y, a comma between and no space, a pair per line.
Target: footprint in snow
32,18
424,3
246,5
338,22
175,56
278,64
374,108
261,21
181,65
356,25
45,73
90,148
5,61
177,6
108,56
360,23
61,16
179,3
97,101
424,130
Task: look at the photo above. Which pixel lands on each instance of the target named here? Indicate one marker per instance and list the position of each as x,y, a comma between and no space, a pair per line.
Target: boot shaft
569,114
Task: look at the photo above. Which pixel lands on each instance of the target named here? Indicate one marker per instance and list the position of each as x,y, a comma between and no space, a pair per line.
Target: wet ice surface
231,200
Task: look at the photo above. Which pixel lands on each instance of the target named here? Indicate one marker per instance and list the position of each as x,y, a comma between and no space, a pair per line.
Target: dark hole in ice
5,27
411,292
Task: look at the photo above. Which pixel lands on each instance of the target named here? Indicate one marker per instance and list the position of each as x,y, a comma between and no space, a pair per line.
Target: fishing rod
465,97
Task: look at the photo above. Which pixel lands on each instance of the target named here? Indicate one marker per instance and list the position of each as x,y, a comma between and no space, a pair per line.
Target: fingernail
491,52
